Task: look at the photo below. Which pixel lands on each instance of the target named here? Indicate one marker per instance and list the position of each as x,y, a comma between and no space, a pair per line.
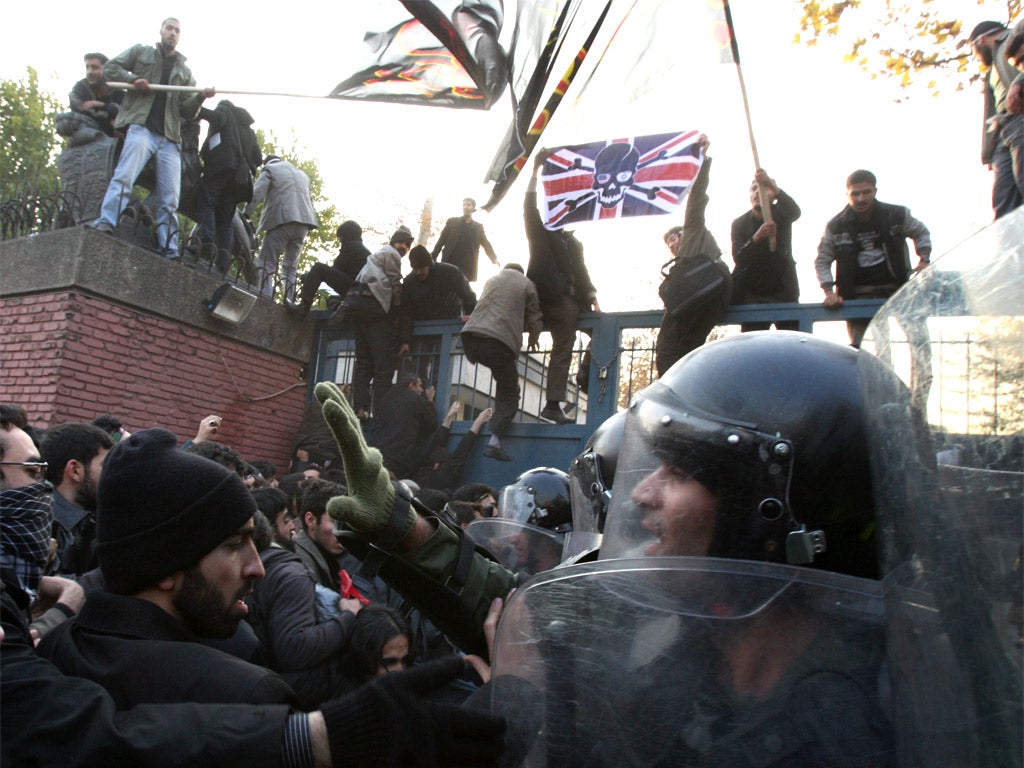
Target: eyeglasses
487,510
35,469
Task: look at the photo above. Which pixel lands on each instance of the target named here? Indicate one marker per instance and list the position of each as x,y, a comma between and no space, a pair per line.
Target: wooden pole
766,208
220,91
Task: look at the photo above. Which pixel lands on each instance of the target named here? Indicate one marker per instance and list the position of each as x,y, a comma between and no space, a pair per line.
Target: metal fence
35,213
436,355
612,360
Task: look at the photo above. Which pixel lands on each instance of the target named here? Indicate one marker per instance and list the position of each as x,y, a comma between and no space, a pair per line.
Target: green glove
371,497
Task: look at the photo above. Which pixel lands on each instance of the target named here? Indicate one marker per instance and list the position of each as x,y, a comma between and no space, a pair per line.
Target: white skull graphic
614,171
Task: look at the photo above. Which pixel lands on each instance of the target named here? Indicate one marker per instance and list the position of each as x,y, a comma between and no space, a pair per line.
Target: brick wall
69,356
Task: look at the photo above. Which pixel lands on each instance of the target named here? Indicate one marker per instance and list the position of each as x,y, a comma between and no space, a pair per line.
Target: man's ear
74,471
171,583
309,520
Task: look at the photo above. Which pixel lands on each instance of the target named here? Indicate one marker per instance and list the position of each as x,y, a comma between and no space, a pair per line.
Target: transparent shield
523,549
590,498
693,661
516,503
589,494
947,467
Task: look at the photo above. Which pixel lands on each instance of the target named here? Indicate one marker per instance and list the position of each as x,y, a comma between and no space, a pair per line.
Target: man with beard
276,507
93,97
1002,147
75,453
174,541
867,241
152,122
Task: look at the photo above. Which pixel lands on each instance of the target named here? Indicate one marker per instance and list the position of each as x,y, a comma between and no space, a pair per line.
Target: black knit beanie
402,235
160,510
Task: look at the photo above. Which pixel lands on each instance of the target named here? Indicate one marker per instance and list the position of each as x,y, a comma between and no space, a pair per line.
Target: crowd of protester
177,573
191,574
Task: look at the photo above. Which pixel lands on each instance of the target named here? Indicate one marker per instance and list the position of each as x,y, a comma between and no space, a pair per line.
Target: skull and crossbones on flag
641,176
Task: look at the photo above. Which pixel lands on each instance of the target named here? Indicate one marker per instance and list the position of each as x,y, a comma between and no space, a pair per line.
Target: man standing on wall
460,241
152,120
287,217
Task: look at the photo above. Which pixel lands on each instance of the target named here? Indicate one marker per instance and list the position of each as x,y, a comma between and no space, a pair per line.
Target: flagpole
544,117
766,210
200,89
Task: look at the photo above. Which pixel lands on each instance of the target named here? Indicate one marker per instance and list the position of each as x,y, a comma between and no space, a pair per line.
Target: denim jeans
140,144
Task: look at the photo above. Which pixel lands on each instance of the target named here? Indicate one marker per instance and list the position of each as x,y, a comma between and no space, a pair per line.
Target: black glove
387,724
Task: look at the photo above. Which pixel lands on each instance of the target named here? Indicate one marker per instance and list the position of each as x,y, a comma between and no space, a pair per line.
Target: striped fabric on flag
639,176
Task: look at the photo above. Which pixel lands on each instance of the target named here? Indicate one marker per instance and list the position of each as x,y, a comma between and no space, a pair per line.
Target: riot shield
947,472
672,661
522,548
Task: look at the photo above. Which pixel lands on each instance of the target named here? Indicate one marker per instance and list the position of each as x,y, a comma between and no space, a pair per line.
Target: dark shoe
496,452
554,413
299,310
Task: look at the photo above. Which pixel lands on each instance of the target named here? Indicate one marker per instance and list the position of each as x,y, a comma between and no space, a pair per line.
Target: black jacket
444,295
49,718
839,244
351,257
304,650
141,654
556,261
459,244
761,272
405,422
231,147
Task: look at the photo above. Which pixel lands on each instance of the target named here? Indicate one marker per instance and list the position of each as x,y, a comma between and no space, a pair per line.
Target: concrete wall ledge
102,265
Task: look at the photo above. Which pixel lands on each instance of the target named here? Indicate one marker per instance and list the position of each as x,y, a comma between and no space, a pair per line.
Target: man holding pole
762,251
152,116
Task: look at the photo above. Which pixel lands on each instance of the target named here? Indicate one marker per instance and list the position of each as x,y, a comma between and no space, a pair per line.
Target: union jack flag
639,176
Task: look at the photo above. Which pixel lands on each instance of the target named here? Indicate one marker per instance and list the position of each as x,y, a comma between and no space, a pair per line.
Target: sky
815,119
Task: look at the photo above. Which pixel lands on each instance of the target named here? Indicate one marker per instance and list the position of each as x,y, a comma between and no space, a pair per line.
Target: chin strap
802,545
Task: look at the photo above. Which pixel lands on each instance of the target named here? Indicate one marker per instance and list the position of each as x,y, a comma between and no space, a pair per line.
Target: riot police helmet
539,497
751,447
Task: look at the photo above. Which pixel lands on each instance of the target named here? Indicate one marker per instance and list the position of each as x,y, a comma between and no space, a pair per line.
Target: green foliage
997,376
322,243
911,41
28,138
